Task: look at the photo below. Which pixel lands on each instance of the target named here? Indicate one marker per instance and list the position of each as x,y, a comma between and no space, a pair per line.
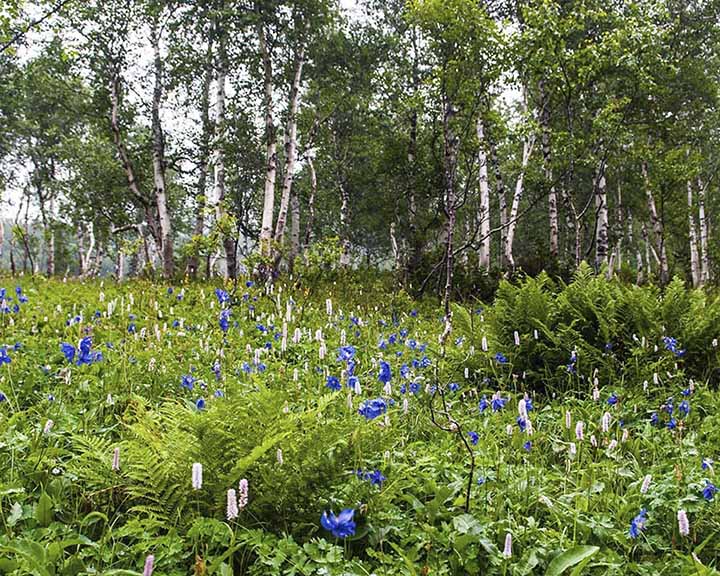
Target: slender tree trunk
344,223
127,164
620,227
266,230
450,167
204,156
704,256
294,228
158,149
502,202
657,226
311,203
81,250
547,171
484,189
528,144
695,271
601,217
290,149
397,259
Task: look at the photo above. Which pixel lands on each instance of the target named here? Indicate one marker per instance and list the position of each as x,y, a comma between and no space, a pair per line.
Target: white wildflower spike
605,422
645,484
197,472
484,344
522,409
580,430
593,441
280,459
232,505
116,459
568,419
507,550
48,426
243,494
613,444
516,337
572,450
683,523
405,405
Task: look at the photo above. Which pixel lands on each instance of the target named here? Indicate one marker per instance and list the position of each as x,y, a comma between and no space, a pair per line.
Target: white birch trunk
164,221
266,230
695,271
219,156
290,149
294,228
484,189
601,211
528,144
660,250
704,256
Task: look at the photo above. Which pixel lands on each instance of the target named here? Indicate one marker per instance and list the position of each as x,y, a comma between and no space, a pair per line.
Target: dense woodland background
429,137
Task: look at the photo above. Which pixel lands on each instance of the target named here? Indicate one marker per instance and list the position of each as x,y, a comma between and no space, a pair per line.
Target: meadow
328,429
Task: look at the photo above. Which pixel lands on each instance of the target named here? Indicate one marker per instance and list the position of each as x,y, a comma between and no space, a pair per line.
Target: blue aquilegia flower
371,409
346,353
528,445
637,525
385,373
684,408
200,403
613,399
341,525
484,404
500,358
498,402
224,321
671,344
474,438
333,382
188,381
376,478
4,358
222,296
709,490
68,350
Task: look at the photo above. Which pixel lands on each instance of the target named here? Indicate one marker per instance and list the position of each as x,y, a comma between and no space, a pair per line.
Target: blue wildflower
454,387
528,445
346,353
637,525
613,399
222,296
707,463
224,320
474,438
371,409
684,408
341,525
654,419
672,424
497,402
4,358
484,404
709,490
188,381
333,382
200,403
500,358
414,387
385,373
522,423
68,350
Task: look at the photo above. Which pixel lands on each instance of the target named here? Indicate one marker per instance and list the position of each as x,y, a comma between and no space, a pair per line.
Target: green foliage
300,444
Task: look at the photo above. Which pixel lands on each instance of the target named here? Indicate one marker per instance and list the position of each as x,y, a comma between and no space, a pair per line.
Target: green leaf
44,510
569,558
467,524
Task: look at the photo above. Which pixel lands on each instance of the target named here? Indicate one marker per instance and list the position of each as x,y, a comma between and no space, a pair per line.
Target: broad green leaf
570,558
